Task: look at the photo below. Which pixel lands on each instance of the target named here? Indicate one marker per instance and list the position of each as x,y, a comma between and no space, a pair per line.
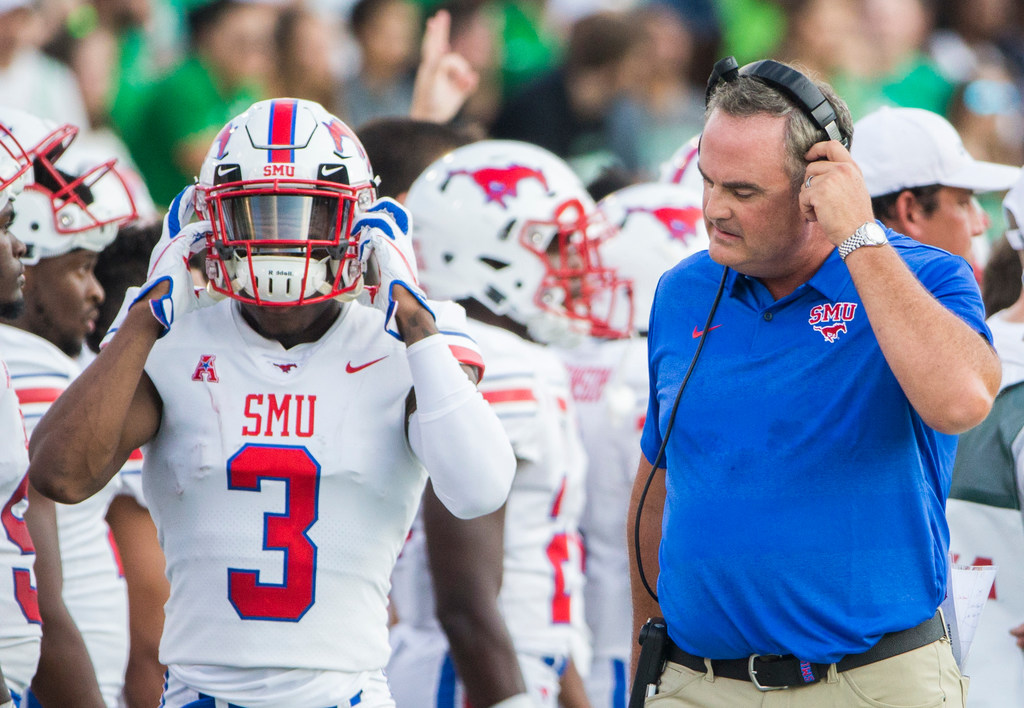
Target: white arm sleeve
456,435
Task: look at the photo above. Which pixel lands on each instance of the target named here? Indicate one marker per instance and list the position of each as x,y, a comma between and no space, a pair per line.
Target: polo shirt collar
831,278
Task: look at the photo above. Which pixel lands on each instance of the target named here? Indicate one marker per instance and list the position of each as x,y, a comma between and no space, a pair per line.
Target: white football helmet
281,186
658,226
681,168
510,225
10,182
1013,206
16,154
65,206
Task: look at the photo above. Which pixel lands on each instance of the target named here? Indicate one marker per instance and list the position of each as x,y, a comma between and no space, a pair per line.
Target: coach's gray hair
748,96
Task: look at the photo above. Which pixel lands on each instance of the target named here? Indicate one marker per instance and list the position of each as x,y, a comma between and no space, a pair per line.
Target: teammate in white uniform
507,229
20,623
278,468
69,214
55,662
657,225
985,503
465,553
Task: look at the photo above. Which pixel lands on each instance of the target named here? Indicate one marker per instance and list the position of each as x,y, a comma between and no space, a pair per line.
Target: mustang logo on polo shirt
830,319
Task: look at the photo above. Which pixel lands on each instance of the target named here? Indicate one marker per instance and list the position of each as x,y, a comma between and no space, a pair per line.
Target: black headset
791,82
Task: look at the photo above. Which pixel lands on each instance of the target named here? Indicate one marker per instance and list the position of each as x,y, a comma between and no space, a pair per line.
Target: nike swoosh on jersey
353,369
697,331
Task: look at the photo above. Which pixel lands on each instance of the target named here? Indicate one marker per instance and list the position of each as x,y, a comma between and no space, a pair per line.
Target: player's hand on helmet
385,251
169,290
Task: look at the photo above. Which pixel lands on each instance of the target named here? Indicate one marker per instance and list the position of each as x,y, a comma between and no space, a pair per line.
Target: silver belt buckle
753,674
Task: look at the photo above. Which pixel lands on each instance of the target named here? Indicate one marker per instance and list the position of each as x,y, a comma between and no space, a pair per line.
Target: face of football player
62,299
12,276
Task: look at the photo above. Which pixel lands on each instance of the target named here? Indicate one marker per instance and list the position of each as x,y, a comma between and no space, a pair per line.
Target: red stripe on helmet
282,129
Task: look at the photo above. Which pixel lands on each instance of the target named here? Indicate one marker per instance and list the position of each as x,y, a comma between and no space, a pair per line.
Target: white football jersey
542,584
609,388
282,486
992,534
94,588
20,623
541,590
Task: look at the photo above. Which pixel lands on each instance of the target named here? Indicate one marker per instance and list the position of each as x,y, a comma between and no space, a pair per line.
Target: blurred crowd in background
605,84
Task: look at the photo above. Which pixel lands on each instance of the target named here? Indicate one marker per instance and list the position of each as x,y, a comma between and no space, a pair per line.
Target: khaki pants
921,678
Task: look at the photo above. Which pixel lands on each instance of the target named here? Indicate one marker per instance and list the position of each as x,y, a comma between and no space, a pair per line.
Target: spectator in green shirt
222,74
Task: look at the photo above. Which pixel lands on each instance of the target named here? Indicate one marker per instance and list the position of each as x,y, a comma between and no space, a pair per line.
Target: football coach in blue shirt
794,518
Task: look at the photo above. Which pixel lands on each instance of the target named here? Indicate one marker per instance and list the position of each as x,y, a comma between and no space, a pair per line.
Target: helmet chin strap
280,278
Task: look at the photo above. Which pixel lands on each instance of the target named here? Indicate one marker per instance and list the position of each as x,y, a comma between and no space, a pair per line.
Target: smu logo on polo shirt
830,319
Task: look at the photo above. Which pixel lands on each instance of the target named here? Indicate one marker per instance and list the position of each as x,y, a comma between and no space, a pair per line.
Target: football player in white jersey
985,501
465,554
285,453
508,230
55,662
66,216
20,624
656,226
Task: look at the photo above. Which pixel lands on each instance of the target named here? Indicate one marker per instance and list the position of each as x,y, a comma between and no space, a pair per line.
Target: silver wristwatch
868,234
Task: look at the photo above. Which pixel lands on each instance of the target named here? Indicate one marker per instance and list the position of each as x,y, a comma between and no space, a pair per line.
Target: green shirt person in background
231,49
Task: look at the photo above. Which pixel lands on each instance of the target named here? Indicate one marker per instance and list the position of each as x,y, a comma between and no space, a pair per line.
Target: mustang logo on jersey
286,368
204,369
830,319
264,410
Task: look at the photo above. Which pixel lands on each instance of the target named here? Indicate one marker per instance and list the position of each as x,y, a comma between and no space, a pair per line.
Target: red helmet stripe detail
282,130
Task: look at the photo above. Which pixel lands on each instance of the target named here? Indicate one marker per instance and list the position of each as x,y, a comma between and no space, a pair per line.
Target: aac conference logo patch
830,319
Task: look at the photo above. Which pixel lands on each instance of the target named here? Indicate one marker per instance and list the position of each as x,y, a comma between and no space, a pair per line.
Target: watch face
875,234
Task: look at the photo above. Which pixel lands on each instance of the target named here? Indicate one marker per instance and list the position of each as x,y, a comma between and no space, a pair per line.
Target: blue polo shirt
805,507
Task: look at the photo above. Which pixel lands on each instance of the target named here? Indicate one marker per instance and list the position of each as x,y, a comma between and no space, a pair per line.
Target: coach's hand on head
833,193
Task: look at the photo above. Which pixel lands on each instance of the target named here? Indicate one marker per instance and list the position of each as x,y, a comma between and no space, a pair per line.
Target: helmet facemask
39,146
284,244
93,200
577,295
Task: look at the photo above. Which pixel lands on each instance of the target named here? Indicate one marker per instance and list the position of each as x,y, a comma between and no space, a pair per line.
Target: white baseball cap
901,148
1013,203
9,5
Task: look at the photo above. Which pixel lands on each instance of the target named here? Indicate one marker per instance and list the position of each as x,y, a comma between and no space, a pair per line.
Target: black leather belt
769,672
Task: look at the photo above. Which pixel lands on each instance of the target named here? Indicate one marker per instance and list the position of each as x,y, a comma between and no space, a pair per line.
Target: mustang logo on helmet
498,183
680,222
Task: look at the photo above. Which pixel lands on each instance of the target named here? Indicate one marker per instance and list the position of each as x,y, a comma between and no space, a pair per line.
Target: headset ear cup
723,70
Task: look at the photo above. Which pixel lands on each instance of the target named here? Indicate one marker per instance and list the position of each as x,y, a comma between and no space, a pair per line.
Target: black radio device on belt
653,643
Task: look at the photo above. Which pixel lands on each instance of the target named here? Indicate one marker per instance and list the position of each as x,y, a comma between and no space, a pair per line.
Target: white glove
386,255
169,263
